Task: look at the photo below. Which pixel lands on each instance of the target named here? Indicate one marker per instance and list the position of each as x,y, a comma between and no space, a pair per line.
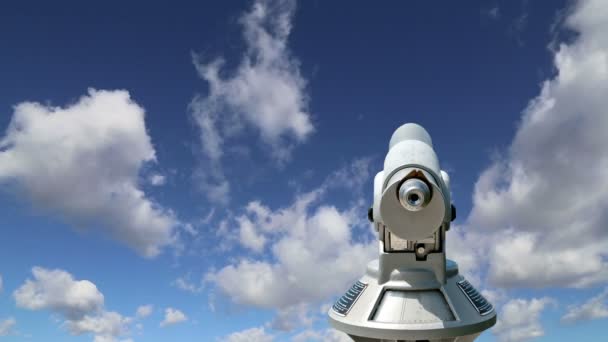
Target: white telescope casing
411,292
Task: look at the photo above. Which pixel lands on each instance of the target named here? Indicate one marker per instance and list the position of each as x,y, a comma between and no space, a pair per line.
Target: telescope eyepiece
414,194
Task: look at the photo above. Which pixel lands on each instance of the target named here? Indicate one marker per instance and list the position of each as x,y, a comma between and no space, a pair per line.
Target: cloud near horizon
79,302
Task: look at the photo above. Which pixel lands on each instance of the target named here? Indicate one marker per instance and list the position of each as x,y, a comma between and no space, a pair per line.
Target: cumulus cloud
7,325
58,291
259,220
327,335
173,316
595,308
265,93
248,236
519,319
78,301
258,334
312,251
543,207
539,210
82,162
106,326
459,240
260,223
144,311
314,257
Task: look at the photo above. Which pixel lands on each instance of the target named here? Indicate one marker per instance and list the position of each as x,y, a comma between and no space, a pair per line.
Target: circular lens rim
414,187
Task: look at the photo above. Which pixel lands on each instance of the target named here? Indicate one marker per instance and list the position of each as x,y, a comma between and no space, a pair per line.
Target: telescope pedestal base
412,306
468,338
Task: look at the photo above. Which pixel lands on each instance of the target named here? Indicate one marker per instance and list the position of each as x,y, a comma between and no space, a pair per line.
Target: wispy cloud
518,25
157,179
7,325
144,311
185,284
265,93
492,13
594,308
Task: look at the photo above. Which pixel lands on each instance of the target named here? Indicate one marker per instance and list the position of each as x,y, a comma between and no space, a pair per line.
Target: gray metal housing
411,292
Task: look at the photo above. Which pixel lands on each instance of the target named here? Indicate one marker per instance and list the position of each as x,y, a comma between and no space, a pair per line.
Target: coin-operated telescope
411,292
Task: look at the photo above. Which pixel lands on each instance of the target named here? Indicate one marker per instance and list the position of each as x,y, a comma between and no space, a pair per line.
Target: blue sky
168,170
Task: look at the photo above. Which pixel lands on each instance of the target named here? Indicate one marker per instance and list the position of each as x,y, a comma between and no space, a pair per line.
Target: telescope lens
414,194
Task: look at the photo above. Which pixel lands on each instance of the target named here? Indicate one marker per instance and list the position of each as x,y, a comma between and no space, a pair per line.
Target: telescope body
412,292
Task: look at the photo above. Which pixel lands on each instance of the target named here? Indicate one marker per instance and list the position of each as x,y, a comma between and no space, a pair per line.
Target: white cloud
495,296
459,240
260,222
249,335
595,308
1,284
101,338
542,210
312,252
314,255
79,301
517,263
519,319
184,283
539,212
327,335
144,311
106,326
292,317
266,93
353,177
249,237
173,316
83,161
157,179
7,325
56,290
